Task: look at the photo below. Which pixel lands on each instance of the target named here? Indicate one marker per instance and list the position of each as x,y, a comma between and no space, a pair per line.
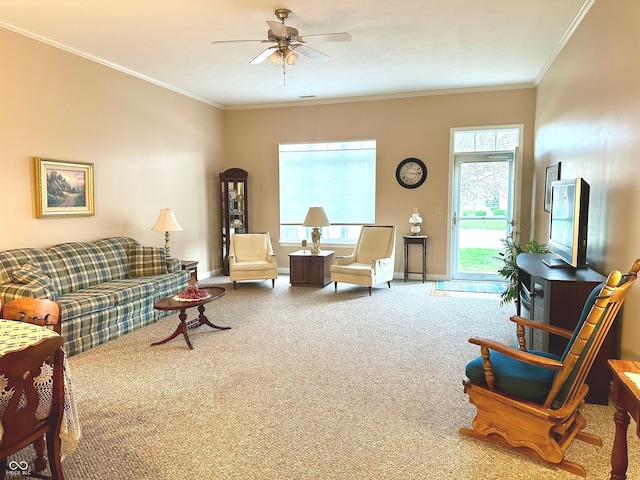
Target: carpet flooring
308,384
470,287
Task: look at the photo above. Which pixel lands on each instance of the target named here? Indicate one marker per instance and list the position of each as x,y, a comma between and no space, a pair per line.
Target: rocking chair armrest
525,322
517,354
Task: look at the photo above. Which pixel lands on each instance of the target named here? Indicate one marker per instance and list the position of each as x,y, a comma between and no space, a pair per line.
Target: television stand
555,296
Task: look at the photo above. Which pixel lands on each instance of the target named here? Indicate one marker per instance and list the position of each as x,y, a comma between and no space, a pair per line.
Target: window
485,140
338,176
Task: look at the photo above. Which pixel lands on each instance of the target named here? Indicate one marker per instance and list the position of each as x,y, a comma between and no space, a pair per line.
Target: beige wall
151,148
411,127
588,118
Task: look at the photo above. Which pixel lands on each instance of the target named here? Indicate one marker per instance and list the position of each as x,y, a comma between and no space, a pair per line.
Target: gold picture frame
63,188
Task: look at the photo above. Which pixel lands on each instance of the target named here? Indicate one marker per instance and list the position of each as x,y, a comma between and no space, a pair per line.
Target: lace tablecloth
18,335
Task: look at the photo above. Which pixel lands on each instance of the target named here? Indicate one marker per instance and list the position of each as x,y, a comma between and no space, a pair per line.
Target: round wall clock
411,173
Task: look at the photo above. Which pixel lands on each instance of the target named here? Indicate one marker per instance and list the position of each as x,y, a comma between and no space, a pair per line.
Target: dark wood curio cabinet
235,215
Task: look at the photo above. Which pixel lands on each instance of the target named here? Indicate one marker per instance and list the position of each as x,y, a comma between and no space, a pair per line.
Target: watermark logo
19,467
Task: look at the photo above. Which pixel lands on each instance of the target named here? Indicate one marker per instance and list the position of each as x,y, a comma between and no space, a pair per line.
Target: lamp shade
166,222
316,218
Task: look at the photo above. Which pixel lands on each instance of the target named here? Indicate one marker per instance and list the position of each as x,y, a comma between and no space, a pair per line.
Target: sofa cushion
85,264
31,275
115,250
146,261
75,304
127,290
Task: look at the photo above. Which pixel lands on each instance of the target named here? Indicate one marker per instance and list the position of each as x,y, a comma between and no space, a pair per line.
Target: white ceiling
418,47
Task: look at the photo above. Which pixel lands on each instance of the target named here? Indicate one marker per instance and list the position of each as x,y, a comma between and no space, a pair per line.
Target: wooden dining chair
20,425
39,311
45,313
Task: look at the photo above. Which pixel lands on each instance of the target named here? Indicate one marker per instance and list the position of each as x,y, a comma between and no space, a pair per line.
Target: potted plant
509,269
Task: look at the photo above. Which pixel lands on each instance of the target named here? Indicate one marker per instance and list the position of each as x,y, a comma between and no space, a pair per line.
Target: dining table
16,335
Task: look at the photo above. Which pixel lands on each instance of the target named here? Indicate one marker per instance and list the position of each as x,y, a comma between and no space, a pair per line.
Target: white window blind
338,176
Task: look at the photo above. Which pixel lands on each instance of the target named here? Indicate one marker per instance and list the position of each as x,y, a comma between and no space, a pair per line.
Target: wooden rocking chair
531,401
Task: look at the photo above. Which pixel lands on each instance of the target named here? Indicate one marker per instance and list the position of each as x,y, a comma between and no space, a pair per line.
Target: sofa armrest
11,291
173,265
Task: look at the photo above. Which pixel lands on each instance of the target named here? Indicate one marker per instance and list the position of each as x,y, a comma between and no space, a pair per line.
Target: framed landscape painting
64,189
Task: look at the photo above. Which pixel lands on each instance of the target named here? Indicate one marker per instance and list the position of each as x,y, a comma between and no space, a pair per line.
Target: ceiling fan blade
278,29
238,41
263,56
327,37
311,53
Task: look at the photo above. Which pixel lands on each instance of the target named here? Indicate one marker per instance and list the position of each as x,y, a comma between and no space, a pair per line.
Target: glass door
482,209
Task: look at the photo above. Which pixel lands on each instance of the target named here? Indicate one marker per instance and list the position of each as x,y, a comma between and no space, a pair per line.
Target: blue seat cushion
515,377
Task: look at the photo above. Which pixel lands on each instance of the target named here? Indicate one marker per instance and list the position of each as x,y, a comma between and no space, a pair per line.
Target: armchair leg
369,291
273,283
234,285
335,286
389,283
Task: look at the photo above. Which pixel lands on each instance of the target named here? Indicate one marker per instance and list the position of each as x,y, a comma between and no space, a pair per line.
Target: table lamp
316,218
415,220
166,223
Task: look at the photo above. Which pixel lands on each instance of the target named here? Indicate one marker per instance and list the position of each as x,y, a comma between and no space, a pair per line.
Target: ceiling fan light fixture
289,57
275,58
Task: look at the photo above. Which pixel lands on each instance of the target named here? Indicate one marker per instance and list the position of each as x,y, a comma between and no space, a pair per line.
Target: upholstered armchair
372,260
251,257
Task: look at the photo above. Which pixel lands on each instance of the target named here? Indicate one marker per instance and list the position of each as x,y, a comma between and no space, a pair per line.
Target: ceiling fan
287,42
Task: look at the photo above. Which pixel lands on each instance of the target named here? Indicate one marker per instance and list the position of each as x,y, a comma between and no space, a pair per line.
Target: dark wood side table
192,267
417,240
626,398
310,270
169,303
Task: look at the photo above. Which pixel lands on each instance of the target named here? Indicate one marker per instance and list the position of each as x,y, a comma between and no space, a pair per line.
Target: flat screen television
569,219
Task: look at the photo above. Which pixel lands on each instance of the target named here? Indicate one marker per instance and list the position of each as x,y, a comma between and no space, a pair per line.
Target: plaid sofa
104,288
